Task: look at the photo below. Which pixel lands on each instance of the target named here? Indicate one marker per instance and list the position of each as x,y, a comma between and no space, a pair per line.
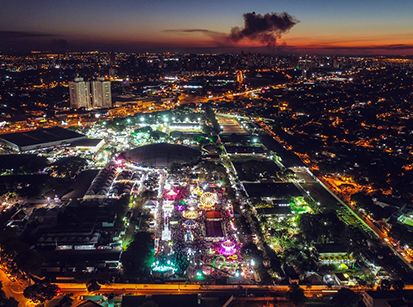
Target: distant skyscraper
101,94
79,94
112,64
240,77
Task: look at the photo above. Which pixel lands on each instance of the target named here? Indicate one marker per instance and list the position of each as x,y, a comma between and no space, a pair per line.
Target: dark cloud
7,35
265,28
374,47
213,34
219,38
191,31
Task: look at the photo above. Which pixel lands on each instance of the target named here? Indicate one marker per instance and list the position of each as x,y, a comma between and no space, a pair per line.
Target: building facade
101,94
90,95
79,94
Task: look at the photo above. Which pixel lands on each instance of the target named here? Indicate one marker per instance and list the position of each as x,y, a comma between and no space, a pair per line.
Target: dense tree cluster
322,228
136,260
69,167
346,297
40,292
22,163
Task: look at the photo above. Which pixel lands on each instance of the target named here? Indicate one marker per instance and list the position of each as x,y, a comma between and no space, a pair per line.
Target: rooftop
272,189
40,136
162,155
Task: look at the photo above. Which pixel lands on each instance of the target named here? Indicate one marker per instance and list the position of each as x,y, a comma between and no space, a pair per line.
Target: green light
299,205
157,266
199,275
163,268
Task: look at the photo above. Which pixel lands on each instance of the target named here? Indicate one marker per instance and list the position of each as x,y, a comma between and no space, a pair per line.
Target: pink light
119,161
228,248
233,226
172,194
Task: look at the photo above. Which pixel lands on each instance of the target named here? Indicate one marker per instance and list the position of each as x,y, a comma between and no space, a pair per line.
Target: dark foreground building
40,138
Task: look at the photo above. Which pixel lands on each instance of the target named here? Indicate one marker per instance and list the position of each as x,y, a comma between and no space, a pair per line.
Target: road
79,289
147,289
14,289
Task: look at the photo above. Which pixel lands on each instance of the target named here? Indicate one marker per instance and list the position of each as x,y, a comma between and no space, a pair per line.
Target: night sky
351,26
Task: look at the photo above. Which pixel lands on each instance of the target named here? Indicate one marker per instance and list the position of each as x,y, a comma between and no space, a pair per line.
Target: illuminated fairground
193,226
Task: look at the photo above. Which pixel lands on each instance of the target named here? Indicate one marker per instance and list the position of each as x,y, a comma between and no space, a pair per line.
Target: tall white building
101,94
96,94
79,94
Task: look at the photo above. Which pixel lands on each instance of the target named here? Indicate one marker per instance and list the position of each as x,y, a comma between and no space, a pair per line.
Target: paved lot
317,191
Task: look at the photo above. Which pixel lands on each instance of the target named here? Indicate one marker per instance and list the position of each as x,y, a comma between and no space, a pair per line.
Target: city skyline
378,27
206,153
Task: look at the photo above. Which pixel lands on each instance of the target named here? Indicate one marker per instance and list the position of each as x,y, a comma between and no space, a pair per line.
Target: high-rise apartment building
101,94
79,94
96,94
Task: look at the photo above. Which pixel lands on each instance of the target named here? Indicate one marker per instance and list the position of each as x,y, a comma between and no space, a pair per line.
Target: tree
362,198
92,285
24,258
145,129
322,227
66,301
398,284
302,259
346,297
69,166
211,116
296,295
385,284
157,135
137,258
40,292
181,261
22,163
29,261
